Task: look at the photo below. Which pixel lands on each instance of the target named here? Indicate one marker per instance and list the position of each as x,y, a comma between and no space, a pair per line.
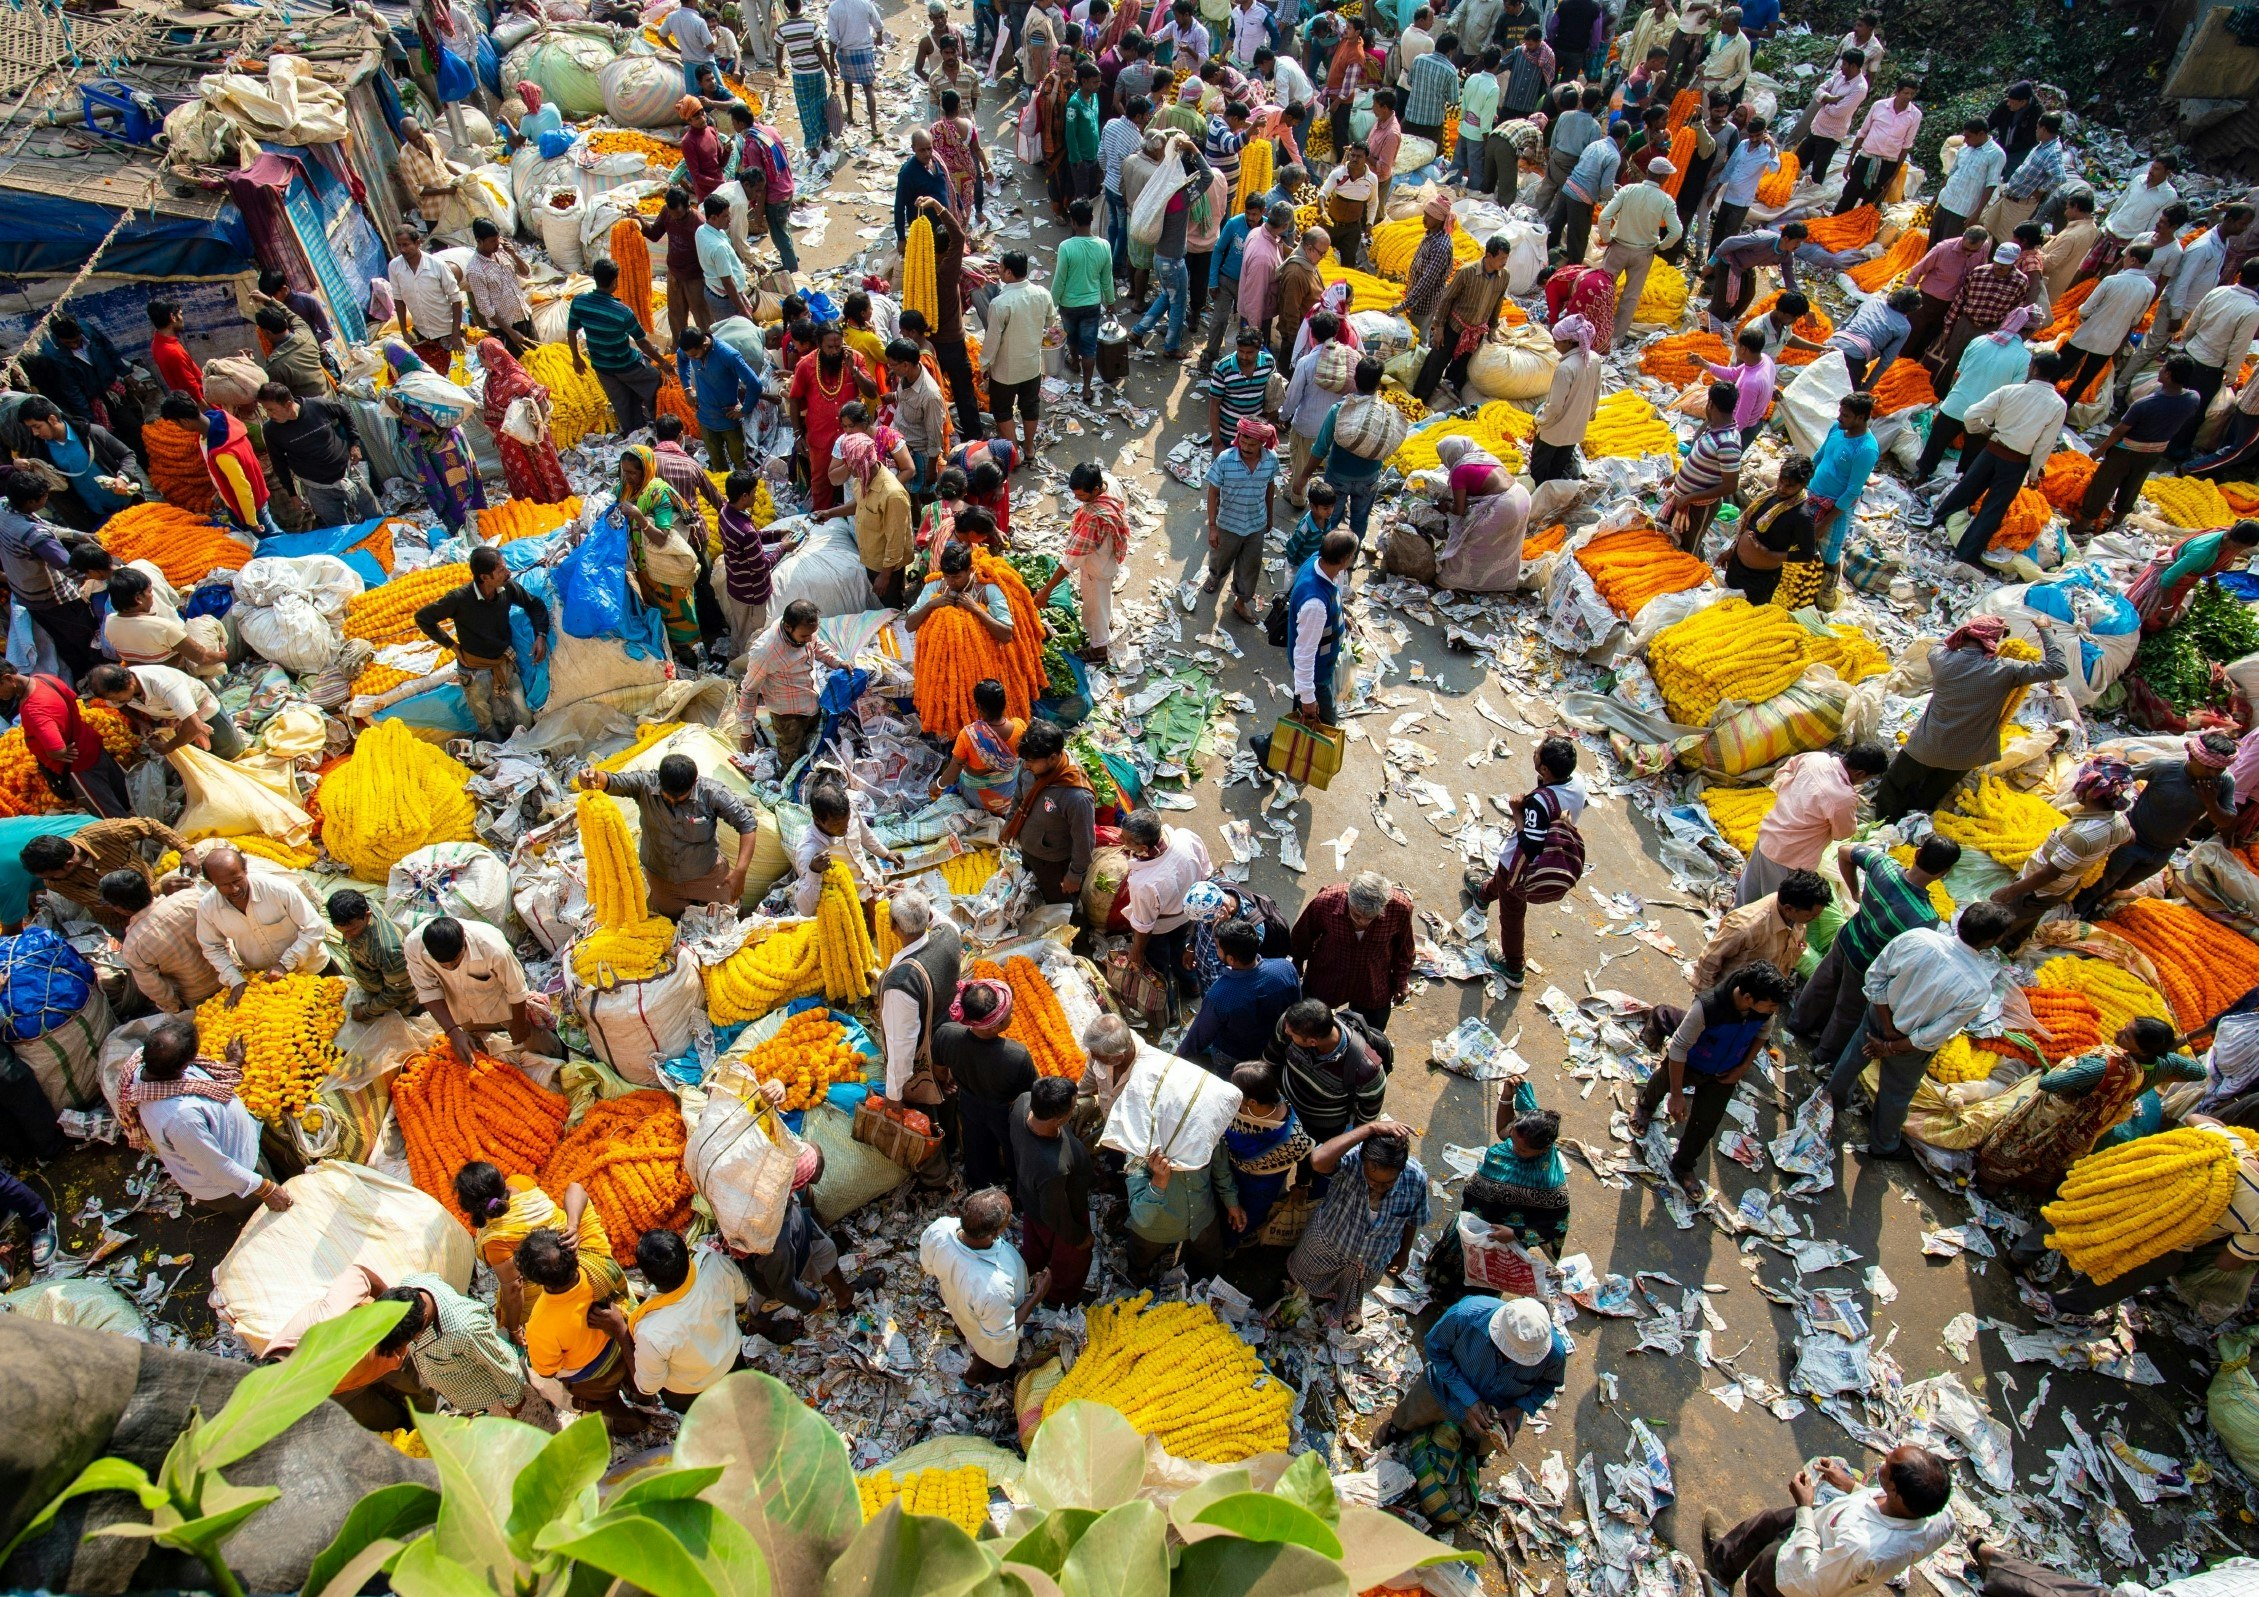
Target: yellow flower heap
957,1495
289,1032
831,955
967,874
1627,425
629,943
1737,812
577,406
1962,1061
1498,427
1391,246
1846,650
2119,1209
1732,651
2000,821
388,614
395,795
1179,1375
2118,993
2189,502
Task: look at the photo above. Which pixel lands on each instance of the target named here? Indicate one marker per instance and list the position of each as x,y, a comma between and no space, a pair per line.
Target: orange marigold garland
1681,156
1638,565
2064,319
2203,966
633,257
809,1056
626,1153
452,1114
2063,481
1544,543
1775,188
1905,386
2027,518
954,654
1038,1024
1683,106
1677,360
1024,654
185,546
1887,268
2073,1022
1854,228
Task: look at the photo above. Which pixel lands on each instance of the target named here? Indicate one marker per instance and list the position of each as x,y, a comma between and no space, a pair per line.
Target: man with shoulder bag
913,1124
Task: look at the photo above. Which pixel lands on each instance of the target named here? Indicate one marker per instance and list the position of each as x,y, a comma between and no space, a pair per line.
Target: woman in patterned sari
956,145
533,471
441,454
984,763
1265,1142
1522,1187
666,566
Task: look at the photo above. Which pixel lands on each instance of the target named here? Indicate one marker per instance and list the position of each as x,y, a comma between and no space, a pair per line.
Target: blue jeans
1117,230
984,29
1172,289
1466,159
1894,1091
1360,498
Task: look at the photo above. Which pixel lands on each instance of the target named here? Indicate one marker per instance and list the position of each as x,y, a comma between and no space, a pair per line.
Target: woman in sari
436,445
533,471
1051,130
1482,546
2075,1106
957,146
2162,592
504,1211
1773,531
1521,1188
665,565
1265,1143
1586,291
984,763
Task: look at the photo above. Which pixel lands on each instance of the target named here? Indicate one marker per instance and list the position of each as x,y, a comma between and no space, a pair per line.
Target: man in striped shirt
1120,139
1891,898
1430,85
780,672
1238,386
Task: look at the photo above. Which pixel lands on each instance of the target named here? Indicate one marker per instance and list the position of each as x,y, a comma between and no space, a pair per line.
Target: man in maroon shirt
1353,945
67,746
701,148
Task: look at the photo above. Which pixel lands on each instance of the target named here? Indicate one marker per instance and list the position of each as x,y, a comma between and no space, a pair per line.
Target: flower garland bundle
283,854
967,874
1941,901
633,257
1683,106
1254,173
1849,652
1181,1376
2065,320
1681,154
1814,326
2190,502
626,1153
672,401
1728,652
1403,404
886,942
2073,1022
377,678
1774,188
2016,649
2063,481
2205,967
513,519
921,284
183,544
1905,386
1391,246
626,141
1961,1061
954,655
1738,812
2242,497
1023,656
2000,821
2118,995
1627,425
176,466
1366,292
1544,543
2028,516
1851,230
577,406
387,615
24,790
1662,299
1038,1024
957,1495
452,1114
809,1057
843,940
289,1032
629,942
1798,587
1887,268
1677,358
1496,428
1638,565
771,969
649,735
2125,1206
395,795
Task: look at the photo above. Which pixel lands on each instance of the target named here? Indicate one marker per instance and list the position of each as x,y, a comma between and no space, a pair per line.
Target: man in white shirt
840,829
471,983
857,31
686,1335
193,1122
1926,987
984,1282
2108,318
693,40
2217,336
2019,424
1855,1544
428,293
179,706
1165,863
1416,40
253,924
2135,214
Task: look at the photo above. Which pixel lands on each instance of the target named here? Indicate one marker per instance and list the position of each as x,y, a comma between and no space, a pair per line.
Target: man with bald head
1855,1543
1297,287
254,925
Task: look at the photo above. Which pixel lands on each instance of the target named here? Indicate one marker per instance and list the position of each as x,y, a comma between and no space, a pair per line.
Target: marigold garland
387,615
1024,654
577,406
1849,652
176,466
513,519
1774,188
1738,812
2125,1206
1961,1061
2064,319
2073,1022
1904,386
633,257
1627,425
1366,292
1683,106
1999,821
1497,429
954,655
629,943
283,854
289,1032
1731,651
183,544
1662,298
1874,276
2206,968
1254,173
1681,156
1391,246
1849,231
808,1056
1678,358
829,954
626,1154
1181,1376
1638,565
1038,1024
1545,542
395,795
2028,516
24,791
957,1495
2191,502
452,1114
921,285
2063,481
2118,995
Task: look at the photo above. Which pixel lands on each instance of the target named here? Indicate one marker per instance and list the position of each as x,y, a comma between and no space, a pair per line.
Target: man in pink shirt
1880,149
1259,268
1938,275
1752,374
1815,802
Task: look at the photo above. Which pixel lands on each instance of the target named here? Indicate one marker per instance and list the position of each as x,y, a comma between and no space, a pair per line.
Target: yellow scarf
636,1314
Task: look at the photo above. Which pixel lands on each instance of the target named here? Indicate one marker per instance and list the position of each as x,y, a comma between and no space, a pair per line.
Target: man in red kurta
821,385
176,368
67,746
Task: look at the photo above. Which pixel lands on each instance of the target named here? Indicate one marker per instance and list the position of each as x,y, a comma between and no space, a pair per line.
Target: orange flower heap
452,1114
1038,1024
2027,518
1638,565
24,791
1677,359
1906,386
1887,268
185,546
954,655
2203,966
2063,482
1846,232
2073,1022
626,1153
388,614
809,1056
1814,327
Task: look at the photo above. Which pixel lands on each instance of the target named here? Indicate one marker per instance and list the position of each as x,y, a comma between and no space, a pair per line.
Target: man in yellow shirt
576,1331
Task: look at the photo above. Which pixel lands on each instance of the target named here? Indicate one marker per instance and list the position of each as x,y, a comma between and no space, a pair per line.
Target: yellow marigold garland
2118,995
577,406
289,1032
513,519
2192,502
967,874
629,942
773,968
396,794
957,1495
1737,812
2125,1206
1728,651
1627,425
1849,652
921,285
1498,428
1179,1375
1961,1061
2000,821
1391,246
387,615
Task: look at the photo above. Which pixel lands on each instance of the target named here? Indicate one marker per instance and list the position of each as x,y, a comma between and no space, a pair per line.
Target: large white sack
1808,405
1515,364
641,91
1172,1107
633,1026
740,1158
340,1215
465,880
827,571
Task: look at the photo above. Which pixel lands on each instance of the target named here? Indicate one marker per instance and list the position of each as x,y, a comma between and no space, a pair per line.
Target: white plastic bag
1151,212
740,1158
465,880
1172,1107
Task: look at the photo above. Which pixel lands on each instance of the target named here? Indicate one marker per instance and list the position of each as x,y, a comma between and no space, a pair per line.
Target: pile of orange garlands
2027,518
1681,156
1814,327
2202,966
1544,543
1637,566
1683,106
186,547
2063,482
1893,263
1905,386
2073,1022
1775,188
626,1153
1846,232
452,1114
1677,359
955,653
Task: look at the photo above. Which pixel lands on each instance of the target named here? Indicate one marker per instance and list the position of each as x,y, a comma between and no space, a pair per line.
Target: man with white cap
1491,1363
1640,220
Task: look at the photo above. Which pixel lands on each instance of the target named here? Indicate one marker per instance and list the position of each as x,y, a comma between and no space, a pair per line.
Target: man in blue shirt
1839,475
921,176
725,387
1491,1363
1240,1013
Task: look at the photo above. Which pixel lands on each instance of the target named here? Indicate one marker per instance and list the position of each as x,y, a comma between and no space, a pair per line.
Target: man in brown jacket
1463,318
1298,286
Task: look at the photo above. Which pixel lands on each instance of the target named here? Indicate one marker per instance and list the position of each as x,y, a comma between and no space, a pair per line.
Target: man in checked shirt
780,672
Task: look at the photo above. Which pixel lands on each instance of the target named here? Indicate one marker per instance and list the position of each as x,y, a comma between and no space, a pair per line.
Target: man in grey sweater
1053,816
1970,686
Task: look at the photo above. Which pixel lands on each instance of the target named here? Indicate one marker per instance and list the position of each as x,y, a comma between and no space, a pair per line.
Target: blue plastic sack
44,981
489,66
456,78
597,598
337,541
552,145
213,599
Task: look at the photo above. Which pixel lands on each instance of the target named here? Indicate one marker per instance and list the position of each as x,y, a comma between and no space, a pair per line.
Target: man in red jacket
1354,946
68,747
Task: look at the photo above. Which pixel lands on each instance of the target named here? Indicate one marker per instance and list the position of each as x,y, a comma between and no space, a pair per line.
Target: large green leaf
1258,1569
478,1462
356,1572
424,1571
226,1508
669,1549
664,1485
912,1555
1308,1483
390,1513
1025,1580
1054,1536
1085,1456
1124,1554
1382,1547
1261,1517
785,1474
1184,1512
103,1475
567,1465
274,1397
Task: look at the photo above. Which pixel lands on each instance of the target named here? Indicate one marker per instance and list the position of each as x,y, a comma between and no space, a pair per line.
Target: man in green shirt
372,948
1889,898
628,365
1082,286
1083,176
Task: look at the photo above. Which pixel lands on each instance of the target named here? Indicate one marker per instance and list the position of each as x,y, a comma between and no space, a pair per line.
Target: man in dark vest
1313,632
914,996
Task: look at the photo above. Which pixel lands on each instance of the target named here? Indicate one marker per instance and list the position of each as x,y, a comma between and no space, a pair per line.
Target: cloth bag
740,1158
1307,754
906,1136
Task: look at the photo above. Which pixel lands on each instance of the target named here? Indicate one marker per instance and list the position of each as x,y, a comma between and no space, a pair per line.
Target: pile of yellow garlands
830,954
1391,246
1662,299
1737,812
1366,292
2205,967
2143,1200
626,1154
1038,1023
1961,1061
2000,821
2064,480
2192,502
809,1056
1498,428
957,1495
513,519
1627,425
1181,1376
577,406
1638,565
1849,652
289,1032
388,614
395,794
1731,651
187,548
955,654
1941,901
24,791
627,141
452,1114
629,942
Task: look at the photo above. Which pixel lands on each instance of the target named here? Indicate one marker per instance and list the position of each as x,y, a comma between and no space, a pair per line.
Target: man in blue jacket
1492,1363
1240,1012
725,388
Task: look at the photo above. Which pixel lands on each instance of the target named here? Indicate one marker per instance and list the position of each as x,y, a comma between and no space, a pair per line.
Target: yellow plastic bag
227,800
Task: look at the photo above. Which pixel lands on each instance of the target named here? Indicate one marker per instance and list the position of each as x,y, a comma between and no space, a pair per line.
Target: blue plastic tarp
338,541
597,598
51,234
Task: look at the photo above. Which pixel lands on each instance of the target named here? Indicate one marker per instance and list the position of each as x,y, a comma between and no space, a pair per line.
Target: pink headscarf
860,453
1190,91
530,93
1986,632
1575,327
996,1019
1253,429
2012,324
